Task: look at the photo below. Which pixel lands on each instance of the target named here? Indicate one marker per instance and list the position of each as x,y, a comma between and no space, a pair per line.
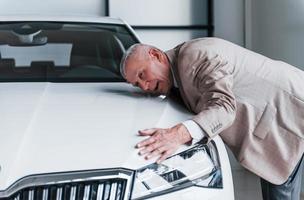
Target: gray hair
132,50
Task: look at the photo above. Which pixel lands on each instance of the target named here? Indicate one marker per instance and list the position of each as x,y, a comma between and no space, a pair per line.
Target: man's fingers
145,142
146,132
155,153
165,155
150,148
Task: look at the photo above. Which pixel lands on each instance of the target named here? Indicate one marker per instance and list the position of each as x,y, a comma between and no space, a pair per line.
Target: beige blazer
255,103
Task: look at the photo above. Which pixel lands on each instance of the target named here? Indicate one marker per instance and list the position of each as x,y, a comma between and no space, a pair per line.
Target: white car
69,121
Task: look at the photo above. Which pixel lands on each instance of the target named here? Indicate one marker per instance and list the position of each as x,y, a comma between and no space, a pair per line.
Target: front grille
110,189
101,185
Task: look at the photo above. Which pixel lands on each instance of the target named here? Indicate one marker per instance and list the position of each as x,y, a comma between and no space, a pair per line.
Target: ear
155,53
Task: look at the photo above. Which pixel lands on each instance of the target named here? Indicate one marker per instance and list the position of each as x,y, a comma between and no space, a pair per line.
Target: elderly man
255,103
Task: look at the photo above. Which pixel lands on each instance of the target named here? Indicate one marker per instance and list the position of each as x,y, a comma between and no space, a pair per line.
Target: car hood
55,127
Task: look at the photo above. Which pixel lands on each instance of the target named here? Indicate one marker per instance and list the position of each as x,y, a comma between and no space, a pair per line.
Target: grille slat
113,191
86,192
31,195
73,193
107,191
100,192
59,194
45,194
120,188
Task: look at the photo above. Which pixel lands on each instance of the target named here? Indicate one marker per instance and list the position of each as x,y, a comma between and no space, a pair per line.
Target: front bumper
113,184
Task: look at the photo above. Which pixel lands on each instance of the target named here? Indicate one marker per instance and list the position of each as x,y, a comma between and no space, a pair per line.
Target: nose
144,85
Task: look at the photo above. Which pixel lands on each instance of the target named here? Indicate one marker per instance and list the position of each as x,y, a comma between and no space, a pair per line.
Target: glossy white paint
56,127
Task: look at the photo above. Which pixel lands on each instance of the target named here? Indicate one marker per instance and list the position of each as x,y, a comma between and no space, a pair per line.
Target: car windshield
62,52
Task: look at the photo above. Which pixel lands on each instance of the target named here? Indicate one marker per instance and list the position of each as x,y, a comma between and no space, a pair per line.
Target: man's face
151,74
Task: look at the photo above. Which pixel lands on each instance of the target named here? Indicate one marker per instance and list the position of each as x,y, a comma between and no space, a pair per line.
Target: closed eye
141,75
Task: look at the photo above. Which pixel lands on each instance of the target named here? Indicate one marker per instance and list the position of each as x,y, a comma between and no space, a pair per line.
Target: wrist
184,135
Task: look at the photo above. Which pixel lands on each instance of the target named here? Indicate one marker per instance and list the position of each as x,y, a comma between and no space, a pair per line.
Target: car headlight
197,166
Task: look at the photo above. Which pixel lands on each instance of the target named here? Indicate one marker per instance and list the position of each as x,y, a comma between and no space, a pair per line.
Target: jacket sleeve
217,107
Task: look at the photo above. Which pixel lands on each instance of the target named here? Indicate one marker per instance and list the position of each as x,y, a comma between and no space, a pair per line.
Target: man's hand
162,142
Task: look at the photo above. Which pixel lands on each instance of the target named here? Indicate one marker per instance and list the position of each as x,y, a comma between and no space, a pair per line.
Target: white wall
163,13
60,7
229,24
160,12
167,39
277,29
229,20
